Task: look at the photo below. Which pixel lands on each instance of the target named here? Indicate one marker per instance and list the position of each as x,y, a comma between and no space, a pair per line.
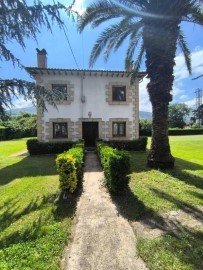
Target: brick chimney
41,58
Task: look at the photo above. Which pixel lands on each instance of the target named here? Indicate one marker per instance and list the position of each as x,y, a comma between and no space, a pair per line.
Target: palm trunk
160,43
160,154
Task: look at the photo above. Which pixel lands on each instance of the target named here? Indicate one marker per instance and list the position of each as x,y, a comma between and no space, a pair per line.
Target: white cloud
21,103
79,6
144,102
181,73
180,70
183,97
176,90
191,103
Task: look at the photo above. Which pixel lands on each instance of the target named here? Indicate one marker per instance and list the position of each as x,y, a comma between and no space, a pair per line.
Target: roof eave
33,71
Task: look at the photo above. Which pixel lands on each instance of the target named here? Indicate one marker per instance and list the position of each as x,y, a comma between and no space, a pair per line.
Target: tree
198,115
19,21
177,114
153,29
21,125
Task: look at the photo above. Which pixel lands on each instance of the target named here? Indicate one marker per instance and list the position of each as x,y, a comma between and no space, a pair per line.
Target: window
119,129
62,88
119,93
60,130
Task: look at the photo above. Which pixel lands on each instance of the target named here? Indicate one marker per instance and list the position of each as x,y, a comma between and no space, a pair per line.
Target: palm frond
137,64
135,37
107,38
104,10
141,3
197,77
132,26
197,16
187,54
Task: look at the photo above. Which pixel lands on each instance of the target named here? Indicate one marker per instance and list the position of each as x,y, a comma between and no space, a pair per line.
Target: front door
90,133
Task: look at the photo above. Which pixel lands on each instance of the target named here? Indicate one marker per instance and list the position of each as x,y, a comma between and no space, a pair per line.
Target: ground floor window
119,129
60,130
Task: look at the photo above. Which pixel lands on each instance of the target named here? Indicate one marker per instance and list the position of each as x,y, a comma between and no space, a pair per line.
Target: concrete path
102,239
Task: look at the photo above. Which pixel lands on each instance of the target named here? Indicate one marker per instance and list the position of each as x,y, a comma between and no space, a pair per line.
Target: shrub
20,126
189,131
177,131
12,133
134,145
2,133
116,165
69,166
145,127
40,148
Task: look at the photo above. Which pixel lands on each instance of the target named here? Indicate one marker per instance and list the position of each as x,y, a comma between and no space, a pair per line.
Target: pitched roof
33,71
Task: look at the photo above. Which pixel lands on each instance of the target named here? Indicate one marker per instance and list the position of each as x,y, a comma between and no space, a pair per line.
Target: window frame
121,88
60,124
58,85
118,131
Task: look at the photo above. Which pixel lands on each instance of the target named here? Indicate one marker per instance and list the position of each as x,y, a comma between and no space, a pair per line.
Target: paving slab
101,239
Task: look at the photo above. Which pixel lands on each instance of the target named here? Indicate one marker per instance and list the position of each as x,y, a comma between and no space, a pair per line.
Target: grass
172,253
34,221
156,192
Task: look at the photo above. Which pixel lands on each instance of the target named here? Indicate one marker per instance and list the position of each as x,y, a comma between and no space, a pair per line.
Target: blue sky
59,56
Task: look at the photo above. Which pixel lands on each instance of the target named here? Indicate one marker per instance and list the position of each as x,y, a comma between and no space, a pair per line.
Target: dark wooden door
90,133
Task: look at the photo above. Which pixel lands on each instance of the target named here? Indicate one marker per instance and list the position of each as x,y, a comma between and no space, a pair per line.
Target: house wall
98,102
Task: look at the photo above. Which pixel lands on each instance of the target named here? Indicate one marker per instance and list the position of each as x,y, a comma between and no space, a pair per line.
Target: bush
20,126
40,148
116,166
145,127
2,133
12,133
189,131
134,145
69,166
176,131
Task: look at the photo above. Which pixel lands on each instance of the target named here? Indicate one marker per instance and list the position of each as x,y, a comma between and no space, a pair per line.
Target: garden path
102,239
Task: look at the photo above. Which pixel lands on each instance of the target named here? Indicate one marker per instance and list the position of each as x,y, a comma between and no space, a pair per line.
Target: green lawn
157,192
34,221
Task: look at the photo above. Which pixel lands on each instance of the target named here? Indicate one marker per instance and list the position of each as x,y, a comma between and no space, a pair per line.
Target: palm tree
154,31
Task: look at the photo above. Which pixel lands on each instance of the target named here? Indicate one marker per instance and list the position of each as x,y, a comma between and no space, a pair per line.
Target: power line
64,30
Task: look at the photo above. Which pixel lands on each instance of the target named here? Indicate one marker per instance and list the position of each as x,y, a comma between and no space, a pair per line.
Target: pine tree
19,21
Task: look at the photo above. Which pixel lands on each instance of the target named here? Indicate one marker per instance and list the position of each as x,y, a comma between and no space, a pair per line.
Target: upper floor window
60,130
62,88
119,93
119,129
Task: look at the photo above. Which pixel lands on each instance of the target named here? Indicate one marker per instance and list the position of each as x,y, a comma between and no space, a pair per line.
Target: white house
97,104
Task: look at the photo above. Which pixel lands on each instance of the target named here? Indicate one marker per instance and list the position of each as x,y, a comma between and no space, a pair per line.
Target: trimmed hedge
144,132
116,166
189,131
134,145
70,168
40,148
176,132
7,133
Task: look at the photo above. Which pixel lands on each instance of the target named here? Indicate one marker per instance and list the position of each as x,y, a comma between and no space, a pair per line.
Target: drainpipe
82,96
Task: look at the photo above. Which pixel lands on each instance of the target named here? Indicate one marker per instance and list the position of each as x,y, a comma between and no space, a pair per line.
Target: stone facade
89,99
